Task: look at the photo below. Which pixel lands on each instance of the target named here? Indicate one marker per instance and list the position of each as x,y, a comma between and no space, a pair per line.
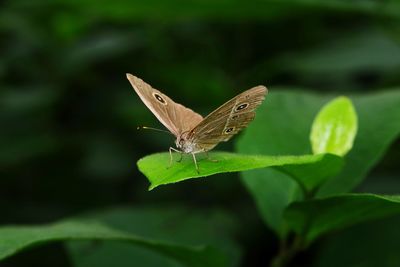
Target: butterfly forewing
174,116
228,119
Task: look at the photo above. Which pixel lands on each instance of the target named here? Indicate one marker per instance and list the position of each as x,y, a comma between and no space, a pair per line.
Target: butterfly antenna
151,128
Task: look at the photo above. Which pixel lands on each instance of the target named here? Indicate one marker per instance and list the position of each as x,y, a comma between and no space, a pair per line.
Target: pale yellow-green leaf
334,128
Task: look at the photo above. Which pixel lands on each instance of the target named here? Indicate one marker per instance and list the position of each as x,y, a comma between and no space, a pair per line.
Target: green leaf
315,217
378,127
382,246
282,126
316,167
16,238
214,227
334,128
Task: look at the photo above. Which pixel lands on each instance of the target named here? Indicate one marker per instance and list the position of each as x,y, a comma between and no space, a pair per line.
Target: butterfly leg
208,157
170,155
195,163
180,159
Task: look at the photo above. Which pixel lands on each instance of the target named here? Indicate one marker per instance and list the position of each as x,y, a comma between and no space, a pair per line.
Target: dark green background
68,116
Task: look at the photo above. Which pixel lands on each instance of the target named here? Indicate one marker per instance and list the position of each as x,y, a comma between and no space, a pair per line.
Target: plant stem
286,253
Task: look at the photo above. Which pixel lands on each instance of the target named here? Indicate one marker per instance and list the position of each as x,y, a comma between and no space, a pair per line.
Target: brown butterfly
193,133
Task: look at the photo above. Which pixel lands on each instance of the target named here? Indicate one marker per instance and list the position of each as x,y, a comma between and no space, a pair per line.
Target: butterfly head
184,144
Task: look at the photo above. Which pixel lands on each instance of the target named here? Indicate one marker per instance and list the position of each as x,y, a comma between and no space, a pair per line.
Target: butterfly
195,134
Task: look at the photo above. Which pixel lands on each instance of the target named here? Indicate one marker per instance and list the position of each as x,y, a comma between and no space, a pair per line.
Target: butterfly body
195,134
187,145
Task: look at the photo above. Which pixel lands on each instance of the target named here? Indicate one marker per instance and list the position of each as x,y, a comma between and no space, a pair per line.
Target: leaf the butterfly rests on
193,133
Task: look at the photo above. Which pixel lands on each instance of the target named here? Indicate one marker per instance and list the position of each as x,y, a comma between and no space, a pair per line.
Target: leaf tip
152,186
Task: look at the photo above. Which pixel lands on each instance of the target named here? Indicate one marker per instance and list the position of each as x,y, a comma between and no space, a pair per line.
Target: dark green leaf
16,238
315,217
378,127
164,223
369,244
283,125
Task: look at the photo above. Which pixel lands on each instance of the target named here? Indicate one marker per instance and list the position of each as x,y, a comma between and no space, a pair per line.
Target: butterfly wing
228,119
174,116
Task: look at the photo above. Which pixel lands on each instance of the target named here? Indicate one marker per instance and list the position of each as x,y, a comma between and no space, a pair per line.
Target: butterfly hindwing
228,119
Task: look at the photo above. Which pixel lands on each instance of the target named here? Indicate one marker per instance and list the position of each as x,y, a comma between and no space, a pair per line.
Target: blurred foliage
378,115
338,211
68,116
170,224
